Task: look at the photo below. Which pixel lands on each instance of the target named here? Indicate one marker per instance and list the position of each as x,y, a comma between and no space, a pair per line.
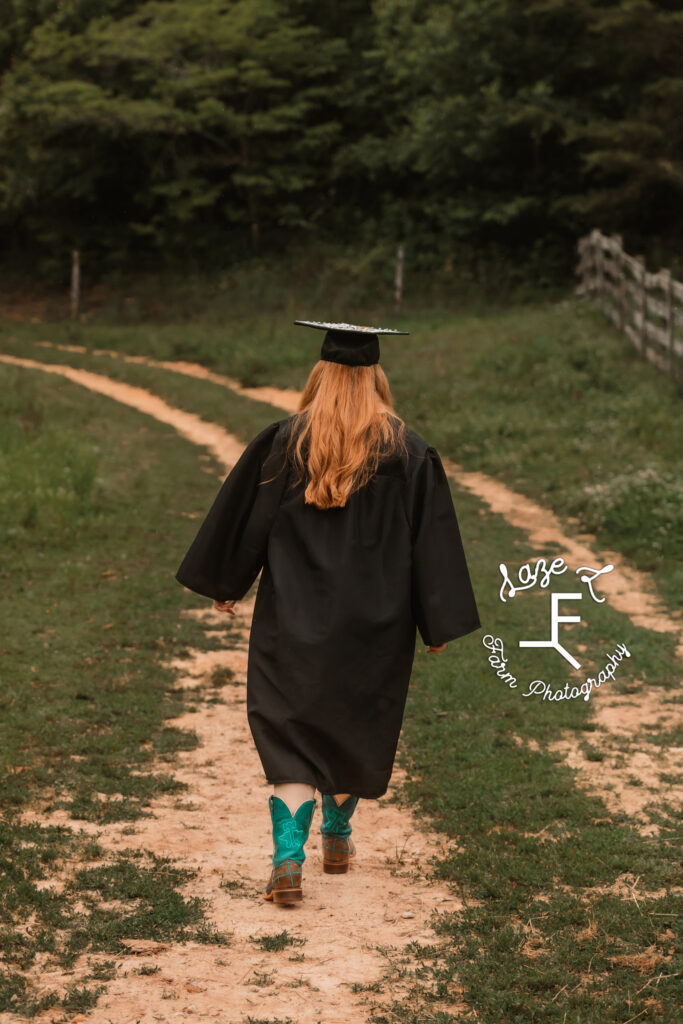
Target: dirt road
355,926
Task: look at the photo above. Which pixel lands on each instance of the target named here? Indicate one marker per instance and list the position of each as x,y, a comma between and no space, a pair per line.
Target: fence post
398,279
599,270
669,304
585,267
621,286
580,266
597,265
643,303
75,283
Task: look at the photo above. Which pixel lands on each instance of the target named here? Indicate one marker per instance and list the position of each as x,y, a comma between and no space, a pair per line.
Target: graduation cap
349,343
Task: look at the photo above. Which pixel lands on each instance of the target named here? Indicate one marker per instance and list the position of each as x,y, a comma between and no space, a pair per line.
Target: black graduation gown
341,593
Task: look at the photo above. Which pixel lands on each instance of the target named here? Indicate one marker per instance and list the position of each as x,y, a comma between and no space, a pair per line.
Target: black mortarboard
348,343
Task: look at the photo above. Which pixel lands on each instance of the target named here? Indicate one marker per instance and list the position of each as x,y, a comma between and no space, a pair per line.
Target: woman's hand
225,606
435,650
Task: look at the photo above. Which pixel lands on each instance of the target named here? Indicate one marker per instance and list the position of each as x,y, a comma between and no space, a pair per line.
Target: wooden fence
647,307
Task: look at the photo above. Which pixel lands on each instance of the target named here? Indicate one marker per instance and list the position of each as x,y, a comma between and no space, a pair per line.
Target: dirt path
383,901
226,448
281,398
354,925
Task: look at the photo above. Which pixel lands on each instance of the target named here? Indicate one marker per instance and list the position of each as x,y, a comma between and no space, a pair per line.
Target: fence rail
646,307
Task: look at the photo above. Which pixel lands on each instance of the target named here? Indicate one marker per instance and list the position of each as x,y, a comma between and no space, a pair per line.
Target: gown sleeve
444,605
229,549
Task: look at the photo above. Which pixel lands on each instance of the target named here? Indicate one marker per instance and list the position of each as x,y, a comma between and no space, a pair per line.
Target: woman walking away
349,514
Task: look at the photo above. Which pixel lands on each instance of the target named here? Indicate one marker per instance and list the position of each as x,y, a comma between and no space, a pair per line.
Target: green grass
277,942
77,581
538,939
89,607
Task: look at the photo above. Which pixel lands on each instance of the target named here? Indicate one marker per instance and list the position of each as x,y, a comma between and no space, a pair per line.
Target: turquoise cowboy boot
290,832
338,846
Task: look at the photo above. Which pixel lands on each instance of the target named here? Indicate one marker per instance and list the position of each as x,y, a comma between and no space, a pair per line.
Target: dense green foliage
160,130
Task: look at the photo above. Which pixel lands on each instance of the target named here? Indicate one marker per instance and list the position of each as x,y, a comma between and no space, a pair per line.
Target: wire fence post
398,277
75,283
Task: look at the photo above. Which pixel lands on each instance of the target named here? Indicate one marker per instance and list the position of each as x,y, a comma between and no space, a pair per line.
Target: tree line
145,131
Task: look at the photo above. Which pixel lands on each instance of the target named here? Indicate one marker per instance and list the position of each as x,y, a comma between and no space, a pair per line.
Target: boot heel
287,895
335,869
285,883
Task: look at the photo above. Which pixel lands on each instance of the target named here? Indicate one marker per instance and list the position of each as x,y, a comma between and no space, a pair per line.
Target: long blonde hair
344,423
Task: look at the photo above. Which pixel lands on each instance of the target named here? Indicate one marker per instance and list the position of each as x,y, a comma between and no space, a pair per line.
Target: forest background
193,135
